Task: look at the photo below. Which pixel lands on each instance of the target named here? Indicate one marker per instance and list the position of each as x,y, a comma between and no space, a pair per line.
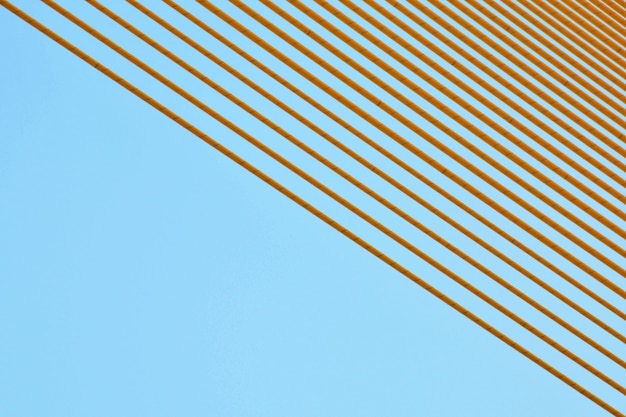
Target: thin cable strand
595,48
473,93
416,151
494,33
308,178
447,110
579,14
607,14
612,73
531,45
201,135
411,220
408,168
493,89
419,131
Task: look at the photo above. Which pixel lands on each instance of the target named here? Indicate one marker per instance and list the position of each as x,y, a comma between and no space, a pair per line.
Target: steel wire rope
473,93
604,12
411,220
533,47
603,55
566,55
417,130
527,52
416,151
441,106
488,86
319,214
595,48
621,10
494,33
595,28
320,186
610,71
408,168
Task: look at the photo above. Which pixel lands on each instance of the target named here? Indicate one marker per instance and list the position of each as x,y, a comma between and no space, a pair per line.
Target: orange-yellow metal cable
416,151
322,216
613,73
617,7
480,63
494,33
606,113
603,11
441,106
601,52
605,33
531,44
479,97
408,168
419,131
286,163
411,220
566,55
604,65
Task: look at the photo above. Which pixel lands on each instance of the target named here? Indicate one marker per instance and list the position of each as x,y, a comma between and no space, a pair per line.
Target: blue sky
142,273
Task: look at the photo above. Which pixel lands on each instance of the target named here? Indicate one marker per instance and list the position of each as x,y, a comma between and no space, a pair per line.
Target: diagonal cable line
491,88
450,153
361,186
618,9
607,14
532,46
480,98
568,54
600,119
441,106
605,66
597,49
579,14
351,207
612,73
410,169
604,13
283,161
294,197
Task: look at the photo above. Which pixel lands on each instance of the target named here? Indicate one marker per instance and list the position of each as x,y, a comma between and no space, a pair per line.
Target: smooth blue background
142,273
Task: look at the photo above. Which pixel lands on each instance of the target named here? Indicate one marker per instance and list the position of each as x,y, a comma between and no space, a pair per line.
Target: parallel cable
306,205
531,45
615,75
417,130
603,11
476,95
407,167
298,200
320,186
416,151
618,8
494,33
342,173
579,14
617,118
566,55
604,54
487,69
441,106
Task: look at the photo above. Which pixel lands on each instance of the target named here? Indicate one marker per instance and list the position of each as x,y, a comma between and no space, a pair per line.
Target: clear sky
143,273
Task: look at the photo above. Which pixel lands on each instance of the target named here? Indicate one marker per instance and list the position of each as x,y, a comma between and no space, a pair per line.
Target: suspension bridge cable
407,167
411,220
